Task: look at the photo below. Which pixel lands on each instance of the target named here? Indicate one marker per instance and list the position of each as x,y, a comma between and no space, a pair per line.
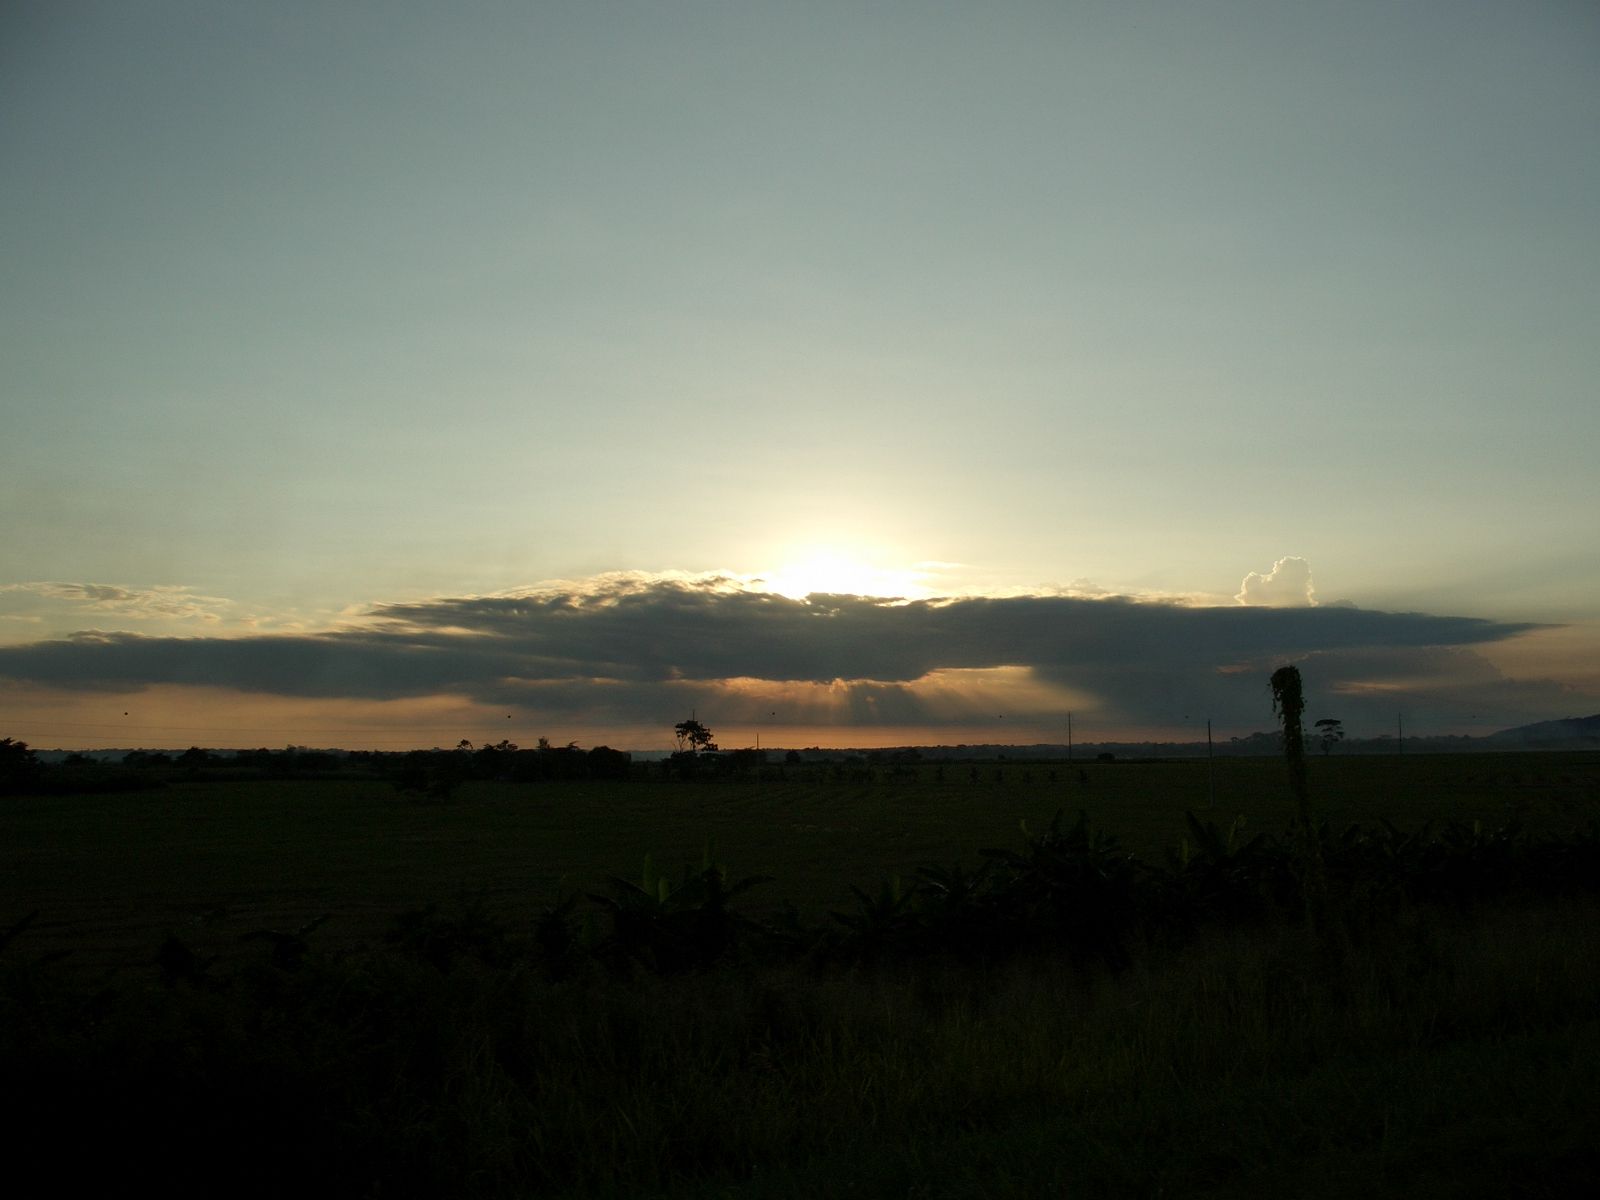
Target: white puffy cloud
1287,585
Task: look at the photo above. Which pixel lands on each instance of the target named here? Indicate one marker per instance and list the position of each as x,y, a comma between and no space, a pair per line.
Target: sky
386,374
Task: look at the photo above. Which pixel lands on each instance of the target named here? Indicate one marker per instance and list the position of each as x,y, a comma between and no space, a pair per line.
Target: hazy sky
325,325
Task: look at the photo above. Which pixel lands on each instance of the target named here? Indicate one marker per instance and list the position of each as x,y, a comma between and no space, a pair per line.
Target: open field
111,875
1441,1047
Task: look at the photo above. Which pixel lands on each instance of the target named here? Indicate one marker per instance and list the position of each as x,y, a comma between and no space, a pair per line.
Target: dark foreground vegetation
1321,1012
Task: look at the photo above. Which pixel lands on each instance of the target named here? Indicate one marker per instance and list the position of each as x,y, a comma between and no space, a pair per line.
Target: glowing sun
840,573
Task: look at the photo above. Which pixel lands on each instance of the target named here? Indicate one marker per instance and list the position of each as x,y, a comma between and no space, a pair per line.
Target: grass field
111,875
1443,1049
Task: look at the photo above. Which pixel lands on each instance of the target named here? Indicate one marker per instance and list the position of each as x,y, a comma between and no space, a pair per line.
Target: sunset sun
842,572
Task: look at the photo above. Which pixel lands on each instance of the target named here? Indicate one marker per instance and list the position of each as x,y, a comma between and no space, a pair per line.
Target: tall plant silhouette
1288,701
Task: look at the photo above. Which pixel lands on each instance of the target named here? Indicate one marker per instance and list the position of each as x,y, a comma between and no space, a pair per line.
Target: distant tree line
437,773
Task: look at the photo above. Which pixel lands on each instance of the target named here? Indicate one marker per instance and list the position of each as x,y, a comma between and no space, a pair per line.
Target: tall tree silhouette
693,736
1330,730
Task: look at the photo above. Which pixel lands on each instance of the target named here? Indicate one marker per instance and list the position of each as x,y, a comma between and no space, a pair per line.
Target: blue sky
311,311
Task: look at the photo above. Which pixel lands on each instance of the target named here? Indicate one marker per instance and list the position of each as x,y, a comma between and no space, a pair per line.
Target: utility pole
1069,735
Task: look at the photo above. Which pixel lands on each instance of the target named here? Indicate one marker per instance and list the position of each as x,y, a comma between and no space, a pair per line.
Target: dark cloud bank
636,651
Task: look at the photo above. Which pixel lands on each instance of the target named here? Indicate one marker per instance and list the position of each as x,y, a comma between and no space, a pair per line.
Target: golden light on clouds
1563,653
991,704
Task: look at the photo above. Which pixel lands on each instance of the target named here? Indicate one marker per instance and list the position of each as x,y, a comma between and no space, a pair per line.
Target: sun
827,570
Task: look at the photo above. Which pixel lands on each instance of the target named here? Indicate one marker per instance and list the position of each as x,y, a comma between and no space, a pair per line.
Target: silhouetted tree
494,761
432,774
742,762
606,763
19,766
563,762
194,757
1330,732
693,736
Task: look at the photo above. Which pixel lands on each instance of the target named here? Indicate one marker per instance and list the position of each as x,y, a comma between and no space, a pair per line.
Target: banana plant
555,943
881,922
1075,888
1217,874
956,908
667,928
289,948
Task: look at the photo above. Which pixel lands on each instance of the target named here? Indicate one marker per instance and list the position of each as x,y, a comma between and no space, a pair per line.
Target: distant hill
1574,731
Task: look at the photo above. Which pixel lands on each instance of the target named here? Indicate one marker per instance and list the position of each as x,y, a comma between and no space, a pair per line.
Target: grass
1244,1068
1441,1052
1447,1057
113,874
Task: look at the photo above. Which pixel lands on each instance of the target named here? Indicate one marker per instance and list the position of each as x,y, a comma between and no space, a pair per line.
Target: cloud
629,647
164,602
1287,585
